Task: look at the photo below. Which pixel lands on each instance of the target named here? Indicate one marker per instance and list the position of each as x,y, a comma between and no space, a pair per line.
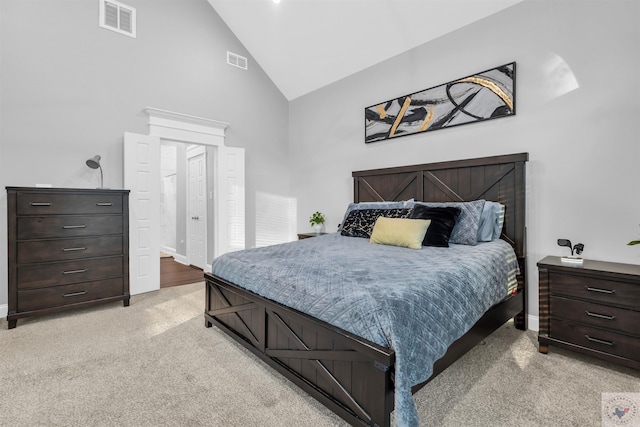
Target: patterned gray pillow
465,232
360,222
403,204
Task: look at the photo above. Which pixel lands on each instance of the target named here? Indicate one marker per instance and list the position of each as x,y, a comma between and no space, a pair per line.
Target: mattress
416,302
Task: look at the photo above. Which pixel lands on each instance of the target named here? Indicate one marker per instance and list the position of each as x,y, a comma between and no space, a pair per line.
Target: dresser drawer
57,296
596,339
64,273
68,226
64,249
595,289
63,204
595,314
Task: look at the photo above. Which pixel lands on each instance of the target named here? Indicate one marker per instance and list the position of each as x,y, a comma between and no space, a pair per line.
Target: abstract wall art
482,96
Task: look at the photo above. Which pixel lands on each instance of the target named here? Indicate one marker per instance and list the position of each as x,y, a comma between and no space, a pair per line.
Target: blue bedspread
416,302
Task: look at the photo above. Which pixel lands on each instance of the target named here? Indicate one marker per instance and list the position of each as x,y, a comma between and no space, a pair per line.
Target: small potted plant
317,221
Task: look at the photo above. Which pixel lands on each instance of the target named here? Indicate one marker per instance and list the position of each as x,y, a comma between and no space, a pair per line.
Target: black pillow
442,222
360,222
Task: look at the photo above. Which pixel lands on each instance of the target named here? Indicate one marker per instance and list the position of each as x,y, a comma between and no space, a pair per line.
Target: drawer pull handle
600,316
599,341
602,291
104,204
40,204
69,227
74,294
73,271
74,249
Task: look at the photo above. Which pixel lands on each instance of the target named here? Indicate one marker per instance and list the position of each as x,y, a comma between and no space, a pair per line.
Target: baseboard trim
167,250
182,259
533,323
4,309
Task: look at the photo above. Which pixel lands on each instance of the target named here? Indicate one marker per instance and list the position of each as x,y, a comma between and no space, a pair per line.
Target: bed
356,377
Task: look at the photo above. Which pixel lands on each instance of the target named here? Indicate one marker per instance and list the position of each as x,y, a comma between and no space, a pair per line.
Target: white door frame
196,130
191,153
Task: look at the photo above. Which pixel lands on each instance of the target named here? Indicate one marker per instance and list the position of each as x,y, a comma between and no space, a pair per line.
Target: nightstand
307,235
593,308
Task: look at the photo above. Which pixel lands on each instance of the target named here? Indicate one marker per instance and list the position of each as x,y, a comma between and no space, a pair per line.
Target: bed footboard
349,375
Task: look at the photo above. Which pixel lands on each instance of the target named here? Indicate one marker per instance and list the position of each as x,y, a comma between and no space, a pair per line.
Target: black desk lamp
94,163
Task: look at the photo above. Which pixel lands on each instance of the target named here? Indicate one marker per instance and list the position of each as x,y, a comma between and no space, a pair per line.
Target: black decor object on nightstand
68,248
308,235
593,308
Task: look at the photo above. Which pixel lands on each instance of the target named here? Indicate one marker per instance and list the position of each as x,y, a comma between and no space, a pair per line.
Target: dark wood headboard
498,178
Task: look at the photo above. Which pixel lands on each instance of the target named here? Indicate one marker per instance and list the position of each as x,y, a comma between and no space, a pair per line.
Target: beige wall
584,140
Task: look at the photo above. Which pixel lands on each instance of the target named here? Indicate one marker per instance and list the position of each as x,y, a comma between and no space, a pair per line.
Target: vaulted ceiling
304,45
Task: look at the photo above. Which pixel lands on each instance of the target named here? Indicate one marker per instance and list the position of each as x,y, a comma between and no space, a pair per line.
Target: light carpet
155,364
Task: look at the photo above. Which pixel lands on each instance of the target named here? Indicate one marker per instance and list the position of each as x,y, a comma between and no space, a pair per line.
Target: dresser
68,248
593,308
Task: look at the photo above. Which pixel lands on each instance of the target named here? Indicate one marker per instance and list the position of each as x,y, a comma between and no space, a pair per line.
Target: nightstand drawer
595,289
63,249
64,273
596,339
595,314
63,204
57,296
68,226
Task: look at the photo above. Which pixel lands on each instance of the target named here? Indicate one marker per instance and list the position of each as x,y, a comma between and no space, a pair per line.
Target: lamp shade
94,162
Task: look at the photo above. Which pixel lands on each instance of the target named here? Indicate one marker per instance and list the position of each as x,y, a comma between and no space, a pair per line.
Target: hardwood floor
173,273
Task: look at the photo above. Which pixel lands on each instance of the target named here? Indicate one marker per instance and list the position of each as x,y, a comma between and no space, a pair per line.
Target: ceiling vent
118,17
236,60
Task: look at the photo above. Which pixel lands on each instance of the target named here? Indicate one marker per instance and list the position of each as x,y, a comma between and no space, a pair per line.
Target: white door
197,212
142,177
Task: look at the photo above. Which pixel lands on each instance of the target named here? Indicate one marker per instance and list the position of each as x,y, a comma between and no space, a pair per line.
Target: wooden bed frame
350,375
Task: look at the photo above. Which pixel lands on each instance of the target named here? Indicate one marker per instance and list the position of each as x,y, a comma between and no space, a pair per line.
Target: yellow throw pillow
404,232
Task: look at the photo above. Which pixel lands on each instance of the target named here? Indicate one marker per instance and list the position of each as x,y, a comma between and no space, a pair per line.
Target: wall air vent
118,17
236,60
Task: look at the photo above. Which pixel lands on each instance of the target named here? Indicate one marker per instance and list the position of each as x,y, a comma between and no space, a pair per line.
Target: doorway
184,180
186,175
142,178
